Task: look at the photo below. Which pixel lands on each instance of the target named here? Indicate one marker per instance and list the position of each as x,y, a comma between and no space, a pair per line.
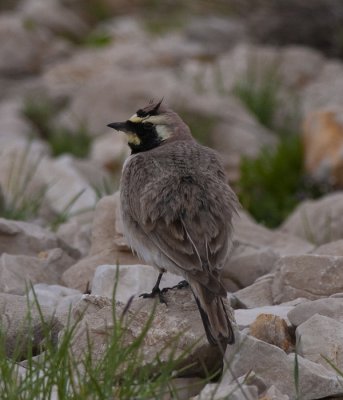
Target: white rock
13,123
16,319
277,368
21,48
258,294
321,337
244,318
325,90
274,394
235,391
319,221
51,15
247,264
330,307
181,315
104,246
132,280
68,190
309,276
257,236
76,235
299,65
56,297
18,272
19,237
330,249
110,150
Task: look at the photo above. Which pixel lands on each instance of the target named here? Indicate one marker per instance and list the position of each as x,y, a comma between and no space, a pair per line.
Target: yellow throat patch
133,139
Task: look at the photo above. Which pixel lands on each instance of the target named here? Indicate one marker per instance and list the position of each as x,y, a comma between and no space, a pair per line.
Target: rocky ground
58,249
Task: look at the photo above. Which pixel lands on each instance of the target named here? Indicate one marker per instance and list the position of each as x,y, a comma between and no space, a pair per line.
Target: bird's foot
181,285
154,293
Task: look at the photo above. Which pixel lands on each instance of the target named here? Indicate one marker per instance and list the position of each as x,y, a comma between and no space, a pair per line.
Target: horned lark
177,208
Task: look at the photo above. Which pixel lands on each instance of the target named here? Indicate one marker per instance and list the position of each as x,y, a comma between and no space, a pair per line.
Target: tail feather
217,325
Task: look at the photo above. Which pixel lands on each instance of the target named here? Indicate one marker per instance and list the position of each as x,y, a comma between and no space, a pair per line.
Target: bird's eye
141,114
148,125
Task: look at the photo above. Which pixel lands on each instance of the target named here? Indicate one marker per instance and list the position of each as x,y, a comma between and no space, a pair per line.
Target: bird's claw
181,285
153,294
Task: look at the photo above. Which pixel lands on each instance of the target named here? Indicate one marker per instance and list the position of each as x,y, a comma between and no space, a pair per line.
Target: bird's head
151,126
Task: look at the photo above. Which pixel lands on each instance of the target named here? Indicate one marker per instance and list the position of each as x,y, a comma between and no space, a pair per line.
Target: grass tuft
17,199
40,113
272,184
56,371
97,39
259,92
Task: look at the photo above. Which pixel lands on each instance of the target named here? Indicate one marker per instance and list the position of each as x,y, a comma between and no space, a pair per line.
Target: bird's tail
214,316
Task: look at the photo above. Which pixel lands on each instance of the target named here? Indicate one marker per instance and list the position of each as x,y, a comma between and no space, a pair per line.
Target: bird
177,208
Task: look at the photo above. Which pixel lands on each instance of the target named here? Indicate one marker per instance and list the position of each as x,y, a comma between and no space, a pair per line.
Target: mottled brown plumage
177,208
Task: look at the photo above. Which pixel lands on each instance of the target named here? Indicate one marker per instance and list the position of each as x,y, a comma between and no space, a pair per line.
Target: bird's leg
181,285
156,291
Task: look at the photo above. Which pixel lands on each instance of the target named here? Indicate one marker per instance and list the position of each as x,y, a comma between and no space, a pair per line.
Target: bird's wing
187,217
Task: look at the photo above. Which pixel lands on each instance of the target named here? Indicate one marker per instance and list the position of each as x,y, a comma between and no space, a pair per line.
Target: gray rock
53,16
94,174
274,394
107,246
258,294
132,280
76,235
330,307
247,264
236,391
13,124
236,65
321,338
330,249
309,276
184,388
180,315
319,221
250,233
21,48
110,150
68,189
23,325
326,90
244,137
277,368
57,298
250,386
18,272
19,237
299,66
216,34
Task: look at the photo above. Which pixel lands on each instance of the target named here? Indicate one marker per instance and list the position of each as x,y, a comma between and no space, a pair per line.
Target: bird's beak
120,126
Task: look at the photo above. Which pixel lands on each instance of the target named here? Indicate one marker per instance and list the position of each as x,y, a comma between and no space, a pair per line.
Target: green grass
118,373
97,39
259,92
40,114
18,201
272,184
22,199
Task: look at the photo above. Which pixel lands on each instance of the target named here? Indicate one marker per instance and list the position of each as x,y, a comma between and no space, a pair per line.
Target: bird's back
182,181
